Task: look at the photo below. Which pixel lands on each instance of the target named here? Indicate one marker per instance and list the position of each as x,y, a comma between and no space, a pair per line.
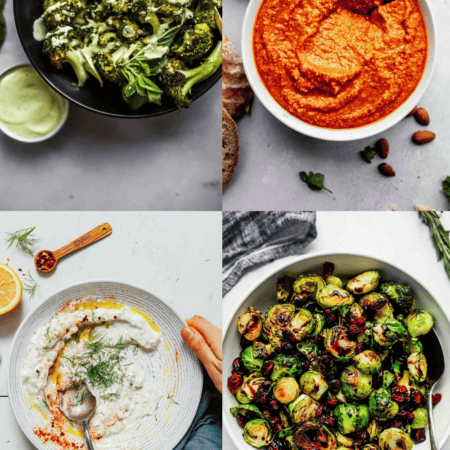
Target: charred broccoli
196,43
60,13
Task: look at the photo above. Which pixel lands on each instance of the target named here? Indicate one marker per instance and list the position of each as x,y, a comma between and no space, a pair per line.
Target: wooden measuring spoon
46,260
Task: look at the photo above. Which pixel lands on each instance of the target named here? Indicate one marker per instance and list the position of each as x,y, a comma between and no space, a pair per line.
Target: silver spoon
79,405
435,359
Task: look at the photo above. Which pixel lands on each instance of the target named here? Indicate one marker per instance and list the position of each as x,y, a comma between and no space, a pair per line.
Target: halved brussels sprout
308,287
417,366
364,282
374,430
246,411
250,324
339,345
394,439
351,418
284,288
371,446
412,345
251,363
351,312
368,362
278,317
367,337
388,333
343,441
302,325
400,294
241,396
277,419
286,390
319,324
419,322
381,406
313,384
251,385
370,301
285,366
312,435
355,384
408,381
303,408
335,281
388,379
332,296
420,418
258,433
261,350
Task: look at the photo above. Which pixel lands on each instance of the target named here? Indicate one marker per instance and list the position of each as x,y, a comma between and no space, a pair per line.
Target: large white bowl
174,363
327,133
262,295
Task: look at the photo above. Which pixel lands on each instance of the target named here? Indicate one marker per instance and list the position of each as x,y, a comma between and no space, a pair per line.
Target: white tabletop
98,163
272,155
175,256
399,237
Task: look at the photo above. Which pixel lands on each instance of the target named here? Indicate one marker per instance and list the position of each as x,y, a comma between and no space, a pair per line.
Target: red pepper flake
20,270
45,260
37,371
115,317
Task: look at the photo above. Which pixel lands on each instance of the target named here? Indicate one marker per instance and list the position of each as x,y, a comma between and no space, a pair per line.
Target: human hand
205,339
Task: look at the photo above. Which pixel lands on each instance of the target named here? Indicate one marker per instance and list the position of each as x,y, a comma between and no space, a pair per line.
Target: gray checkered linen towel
253,238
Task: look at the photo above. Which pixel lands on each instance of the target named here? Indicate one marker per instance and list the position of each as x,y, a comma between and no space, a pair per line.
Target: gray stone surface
170,162
272,155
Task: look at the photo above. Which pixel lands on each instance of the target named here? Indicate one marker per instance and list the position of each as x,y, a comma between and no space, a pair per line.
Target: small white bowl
262,294
64,116
329,134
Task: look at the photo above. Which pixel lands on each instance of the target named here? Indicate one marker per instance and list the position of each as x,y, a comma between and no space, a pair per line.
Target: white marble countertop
175,256
399,237
272,155
99,163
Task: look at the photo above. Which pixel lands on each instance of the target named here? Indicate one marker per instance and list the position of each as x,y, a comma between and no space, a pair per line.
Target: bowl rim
280,266
87,282
330,134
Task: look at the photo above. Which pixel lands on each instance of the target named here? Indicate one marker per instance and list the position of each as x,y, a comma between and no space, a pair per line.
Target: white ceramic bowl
64,116
174,363
327,133
262,295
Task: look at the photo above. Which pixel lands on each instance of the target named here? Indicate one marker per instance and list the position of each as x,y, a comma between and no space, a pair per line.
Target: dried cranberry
267,368
396,423
320,410
238,366
263,392
405,415
287,348
334,386
327,420
333,402
273,403
418,435
359,347
326,361
362,436
330,317
415,397
356,330
436,399
327,270
234,382
240,420
399,394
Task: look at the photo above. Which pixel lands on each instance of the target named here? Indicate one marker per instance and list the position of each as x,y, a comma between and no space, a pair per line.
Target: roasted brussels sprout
343,441
381,406
312,435
277,419
351,418
278,317
417,366
339,345
364,282
388,333
302,325
374,430
285,366
290,444
250,324
420,418
261,350
319,324
367,361
241,396
388,379
286,390
284,288
313,384
335,281
371,446
419,322
372,303
367,337
309,287
251,363
332,296
351,312
251,385
409,383
394,439
303,408
400,294
412,345
246,411
258,433
355,384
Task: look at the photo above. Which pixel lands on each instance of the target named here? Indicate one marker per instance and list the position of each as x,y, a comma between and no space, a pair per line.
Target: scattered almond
382,147
413,111
422,117
423,137
386,170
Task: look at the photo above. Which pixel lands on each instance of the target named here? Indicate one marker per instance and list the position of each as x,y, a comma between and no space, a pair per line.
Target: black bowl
106,100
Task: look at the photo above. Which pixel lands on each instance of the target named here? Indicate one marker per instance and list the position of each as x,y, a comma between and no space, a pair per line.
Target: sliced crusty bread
230,147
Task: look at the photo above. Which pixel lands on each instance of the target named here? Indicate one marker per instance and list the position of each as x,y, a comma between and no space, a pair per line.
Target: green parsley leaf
314,181
446,188
368,154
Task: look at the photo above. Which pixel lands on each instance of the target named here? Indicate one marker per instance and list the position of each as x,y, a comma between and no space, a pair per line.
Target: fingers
195,340
211,333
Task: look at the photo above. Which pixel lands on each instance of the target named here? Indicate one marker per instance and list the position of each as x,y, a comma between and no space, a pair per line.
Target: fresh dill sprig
46,404
25,380
30,285
81,398
47,334
24,239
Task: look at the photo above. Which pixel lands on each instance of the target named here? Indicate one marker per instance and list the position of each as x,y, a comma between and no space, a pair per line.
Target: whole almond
423,137
382,146
412,112
386,170
422,117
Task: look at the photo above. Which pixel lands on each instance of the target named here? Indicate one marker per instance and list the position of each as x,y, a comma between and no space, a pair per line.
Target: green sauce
29,107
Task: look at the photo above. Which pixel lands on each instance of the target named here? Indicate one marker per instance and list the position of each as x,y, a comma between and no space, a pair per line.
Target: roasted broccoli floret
196,43
107,37
98,11
177,80
205,13
170,13
108,68
60,13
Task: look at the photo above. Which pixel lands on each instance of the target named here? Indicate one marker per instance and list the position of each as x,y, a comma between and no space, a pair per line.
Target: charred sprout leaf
315,181
368,154
446,188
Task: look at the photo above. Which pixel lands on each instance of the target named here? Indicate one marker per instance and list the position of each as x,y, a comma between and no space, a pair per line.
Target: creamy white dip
109,357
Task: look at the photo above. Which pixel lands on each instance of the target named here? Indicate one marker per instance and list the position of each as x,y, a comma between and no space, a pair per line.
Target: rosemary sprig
30,285
440,236
24,239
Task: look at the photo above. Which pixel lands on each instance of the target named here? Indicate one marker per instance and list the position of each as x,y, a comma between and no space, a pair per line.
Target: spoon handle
434,443
92,236
87,435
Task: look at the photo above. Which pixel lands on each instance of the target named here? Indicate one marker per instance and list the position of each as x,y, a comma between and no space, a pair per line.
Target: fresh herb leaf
368,154
314,180
167,38
30,285
25,380
24,239
446,188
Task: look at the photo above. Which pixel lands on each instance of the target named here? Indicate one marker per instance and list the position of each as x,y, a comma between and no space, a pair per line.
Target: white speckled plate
173,362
